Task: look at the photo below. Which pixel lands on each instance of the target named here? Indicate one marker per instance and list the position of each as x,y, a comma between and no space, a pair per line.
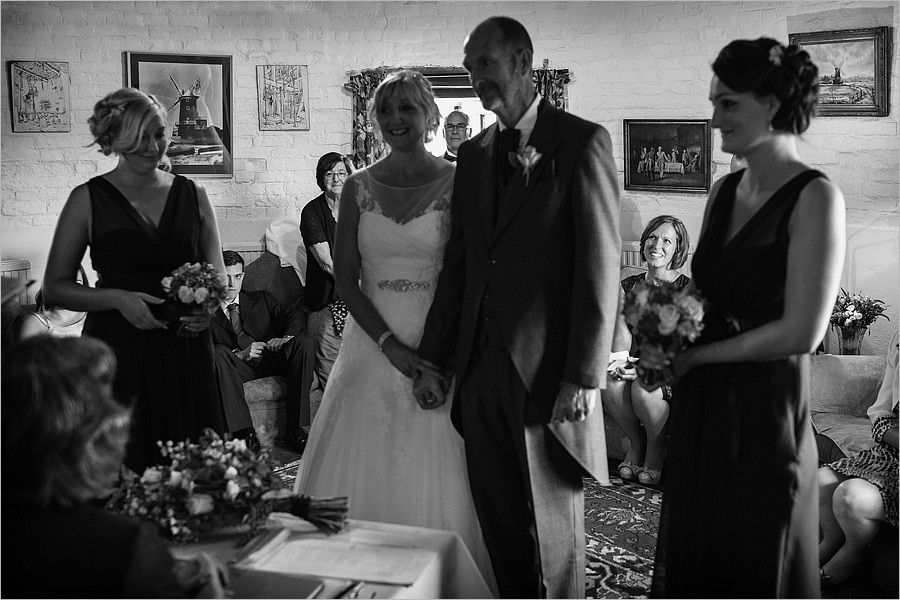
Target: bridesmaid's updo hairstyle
414,85
763,67
120,119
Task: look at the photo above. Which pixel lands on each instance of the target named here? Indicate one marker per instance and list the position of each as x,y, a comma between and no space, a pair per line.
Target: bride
370,440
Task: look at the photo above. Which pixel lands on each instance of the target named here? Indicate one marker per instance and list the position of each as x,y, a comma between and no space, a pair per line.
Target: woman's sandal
649,476
627,470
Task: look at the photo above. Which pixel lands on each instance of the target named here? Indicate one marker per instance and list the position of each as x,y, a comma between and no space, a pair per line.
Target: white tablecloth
451,574
673,167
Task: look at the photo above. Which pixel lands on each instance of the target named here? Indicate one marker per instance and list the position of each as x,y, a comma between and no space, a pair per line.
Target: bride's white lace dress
370,440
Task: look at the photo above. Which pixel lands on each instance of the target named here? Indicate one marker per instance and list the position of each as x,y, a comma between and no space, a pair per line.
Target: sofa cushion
842,388
266,273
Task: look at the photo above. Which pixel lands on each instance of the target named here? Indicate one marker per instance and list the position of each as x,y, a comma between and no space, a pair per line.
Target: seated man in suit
256,336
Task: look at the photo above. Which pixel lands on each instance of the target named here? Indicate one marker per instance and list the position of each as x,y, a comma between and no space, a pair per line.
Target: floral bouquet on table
856,310
664,318
191,289
217,483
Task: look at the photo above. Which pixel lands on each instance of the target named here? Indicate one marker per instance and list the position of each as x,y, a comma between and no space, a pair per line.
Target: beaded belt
403,285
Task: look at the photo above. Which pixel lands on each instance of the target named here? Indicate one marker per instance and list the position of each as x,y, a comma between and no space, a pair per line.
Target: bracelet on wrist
383,338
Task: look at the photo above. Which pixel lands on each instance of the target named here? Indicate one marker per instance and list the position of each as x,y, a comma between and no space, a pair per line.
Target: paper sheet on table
347,560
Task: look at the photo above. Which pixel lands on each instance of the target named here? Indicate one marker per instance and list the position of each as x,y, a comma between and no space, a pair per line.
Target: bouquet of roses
856,310
217,483
192,288
664,318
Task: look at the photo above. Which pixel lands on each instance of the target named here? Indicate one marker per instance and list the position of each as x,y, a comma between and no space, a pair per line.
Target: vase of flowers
216,485
851,317
665,318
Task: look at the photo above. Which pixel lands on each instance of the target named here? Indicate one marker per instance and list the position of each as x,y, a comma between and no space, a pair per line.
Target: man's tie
509,142
234,315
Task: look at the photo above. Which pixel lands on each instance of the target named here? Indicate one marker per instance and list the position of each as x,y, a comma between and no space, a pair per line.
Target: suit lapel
543,139
485,181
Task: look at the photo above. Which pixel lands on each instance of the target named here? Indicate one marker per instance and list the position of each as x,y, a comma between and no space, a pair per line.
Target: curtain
367,148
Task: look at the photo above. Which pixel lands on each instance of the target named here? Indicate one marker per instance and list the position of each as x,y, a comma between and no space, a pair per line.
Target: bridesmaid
140,223
739,514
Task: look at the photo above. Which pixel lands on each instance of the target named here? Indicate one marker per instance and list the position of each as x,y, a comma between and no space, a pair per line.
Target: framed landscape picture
667,155
283,97
39,96
854,70
197,94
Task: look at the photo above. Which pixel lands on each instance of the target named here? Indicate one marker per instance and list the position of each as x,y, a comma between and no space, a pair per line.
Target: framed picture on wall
854,70
39,96
197,95
667,155
282,93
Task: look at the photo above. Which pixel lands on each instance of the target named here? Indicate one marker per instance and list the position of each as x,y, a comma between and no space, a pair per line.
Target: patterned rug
620,523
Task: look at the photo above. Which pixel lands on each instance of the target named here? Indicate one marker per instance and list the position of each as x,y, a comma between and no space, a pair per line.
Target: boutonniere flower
528,157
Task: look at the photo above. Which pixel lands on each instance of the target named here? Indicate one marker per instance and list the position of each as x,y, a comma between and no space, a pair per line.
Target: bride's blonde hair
414,85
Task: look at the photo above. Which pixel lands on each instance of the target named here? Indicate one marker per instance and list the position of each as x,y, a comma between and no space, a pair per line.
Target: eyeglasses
452,127
336,175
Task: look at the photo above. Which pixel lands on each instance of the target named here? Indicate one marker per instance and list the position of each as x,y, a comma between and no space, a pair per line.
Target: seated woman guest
857,494
49,319
641,414
63,443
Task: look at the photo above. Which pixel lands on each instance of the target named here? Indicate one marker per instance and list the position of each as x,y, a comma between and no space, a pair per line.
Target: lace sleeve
882,425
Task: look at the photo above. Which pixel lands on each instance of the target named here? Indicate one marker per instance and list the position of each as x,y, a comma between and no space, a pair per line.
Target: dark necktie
234,315
509,142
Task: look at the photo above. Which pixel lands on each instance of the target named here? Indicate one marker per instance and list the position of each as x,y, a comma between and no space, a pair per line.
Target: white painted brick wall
628,60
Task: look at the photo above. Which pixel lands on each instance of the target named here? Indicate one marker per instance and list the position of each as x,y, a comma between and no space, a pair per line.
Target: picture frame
854,70
283,97
196,91
689,139
39,96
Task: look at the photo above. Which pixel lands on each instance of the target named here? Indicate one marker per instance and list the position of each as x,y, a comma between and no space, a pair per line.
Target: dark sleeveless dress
169,379
740,509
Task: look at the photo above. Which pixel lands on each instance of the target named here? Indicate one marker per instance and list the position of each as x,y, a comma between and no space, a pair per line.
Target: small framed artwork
197,94
283,97
39,96
854,65
667,155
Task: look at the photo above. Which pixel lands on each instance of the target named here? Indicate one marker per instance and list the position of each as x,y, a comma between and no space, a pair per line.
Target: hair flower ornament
776,53
528,157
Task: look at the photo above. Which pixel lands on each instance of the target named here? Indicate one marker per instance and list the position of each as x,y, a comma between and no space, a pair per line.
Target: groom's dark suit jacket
552,263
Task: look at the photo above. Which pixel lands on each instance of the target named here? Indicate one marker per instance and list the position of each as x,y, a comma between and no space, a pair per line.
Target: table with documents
292,559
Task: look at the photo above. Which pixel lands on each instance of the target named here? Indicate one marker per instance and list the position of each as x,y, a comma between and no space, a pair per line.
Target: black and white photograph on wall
667,155
196,92
853,70
283,97
39,96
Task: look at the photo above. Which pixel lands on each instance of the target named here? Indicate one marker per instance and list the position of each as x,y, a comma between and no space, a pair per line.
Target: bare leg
859,511
617,402
653,412
832,535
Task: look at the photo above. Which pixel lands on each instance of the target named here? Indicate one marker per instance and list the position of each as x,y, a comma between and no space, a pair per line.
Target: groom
524,309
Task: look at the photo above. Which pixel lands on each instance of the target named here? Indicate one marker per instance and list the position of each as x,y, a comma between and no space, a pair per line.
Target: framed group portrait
39,96
854,70
667,155
196,91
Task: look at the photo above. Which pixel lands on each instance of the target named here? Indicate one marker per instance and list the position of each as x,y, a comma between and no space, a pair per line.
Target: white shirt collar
526,123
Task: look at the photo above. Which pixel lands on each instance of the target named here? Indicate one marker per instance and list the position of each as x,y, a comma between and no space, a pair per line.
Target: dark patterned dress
169,379
739,512
879,464
681,282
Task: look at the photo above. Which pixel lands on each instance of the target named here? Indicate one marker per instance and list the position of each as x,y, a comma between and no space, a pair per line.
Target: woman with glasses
327,312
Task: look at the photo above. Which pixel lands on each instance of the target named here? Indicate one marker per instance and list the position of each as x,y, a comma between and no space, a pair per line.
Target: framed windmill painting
196,92
854,70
